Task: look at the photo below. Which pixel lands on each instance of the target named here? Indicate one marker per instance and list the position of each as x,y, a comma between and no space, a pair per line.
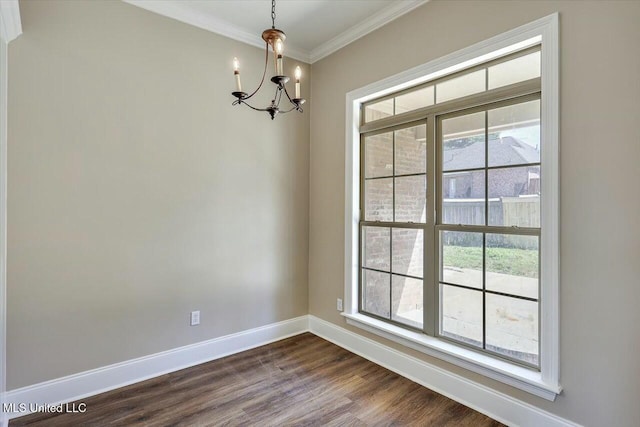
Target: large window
483,238
455,220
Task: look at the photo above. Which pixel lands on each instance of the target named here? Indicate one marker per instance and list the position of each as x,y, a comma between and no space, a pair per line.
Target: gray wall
137,193
600,144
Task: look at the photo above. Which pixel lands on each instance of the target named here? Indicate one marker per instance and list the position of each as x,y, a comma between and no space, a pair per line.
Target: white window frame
543,383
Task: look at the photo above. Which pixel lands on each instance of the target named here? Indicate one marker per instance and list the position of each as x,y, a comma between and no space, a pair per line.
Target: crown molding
372,23
181,12
10,23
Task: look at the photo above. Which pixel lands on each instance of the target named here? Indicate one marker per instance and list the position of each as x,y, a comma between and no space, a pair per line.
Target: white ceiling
314,28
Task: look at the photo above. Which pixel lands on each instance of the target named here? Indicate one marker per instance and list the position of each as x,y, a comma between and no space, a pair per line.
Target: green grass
519,262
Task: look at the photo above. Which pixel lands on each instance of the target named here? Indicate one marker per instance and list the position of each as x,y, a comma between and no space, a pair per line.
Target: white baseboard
496,405
84,384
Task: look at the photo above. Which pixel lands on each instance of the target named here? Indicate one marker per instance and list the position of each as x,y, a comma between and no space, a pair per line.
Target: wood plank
303,380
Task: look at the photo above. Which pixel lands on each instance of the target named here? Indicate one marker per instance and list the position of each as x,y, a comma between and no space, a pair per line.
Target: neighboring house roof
502,151
509,150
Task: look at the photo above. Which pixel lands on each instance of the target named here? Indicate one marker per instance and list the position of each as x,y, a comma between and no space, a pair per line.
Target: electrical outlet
339,304
195,318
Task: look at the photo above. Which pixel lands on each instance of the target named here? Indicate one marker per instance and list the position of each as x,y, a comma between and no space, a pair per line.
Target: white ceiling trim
179,11
372,23
176,10
10,23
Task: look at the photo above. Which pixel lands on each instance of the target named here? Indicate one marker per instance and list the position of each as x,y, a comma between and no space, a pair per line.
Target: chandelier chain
273,14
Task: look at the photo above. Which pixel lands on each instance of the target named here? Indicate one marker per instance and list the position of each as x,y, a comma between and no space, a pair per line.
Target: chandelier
275,38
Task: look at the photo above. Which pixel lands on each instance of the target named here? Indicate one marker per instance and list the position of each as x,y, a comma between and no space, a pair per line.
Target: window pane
376,293
463,198
377,248
463,142
512,327
378,199
458,87
407,301
517,70
414,100
461,314
378,151
514,196
411,196
411,150
408,251
512,264
514,134
379,110
461,259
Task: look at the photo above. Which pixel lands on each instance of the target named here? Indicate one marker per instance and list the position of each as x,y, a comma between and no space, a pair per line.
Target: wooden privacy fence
523,211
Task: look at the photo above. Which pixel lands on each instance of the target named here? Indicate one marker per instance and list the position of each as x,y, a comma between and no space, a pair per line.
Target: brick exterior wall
390,295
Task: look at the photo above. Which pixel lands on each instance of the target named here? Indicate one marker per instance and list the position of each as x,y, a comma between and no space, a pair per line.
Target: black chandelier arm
275,103
294,108
296,105
287,93
242,101
295,101
264,73
278,96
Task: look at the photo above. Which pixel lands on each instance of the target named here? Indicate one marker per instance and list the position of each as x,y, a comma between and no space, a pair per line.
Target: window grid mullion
361,250
418,225
429,284
486,171
486,222
393,211
509,166
402,175
393,173
491,229
390,273
397,274
484,292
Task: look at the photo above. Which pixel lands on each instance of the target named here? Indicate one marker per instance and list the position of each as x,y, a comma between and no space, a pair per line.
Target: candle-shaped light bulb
279,48
236,73
298,74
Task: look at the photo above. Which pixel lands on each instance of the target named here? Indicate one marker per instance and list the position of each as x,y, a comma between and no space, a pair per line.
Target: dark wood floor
303,380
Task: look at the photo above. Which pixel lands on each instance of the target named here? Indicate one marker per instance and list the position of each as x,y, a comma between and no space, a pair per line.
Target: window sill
497,369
